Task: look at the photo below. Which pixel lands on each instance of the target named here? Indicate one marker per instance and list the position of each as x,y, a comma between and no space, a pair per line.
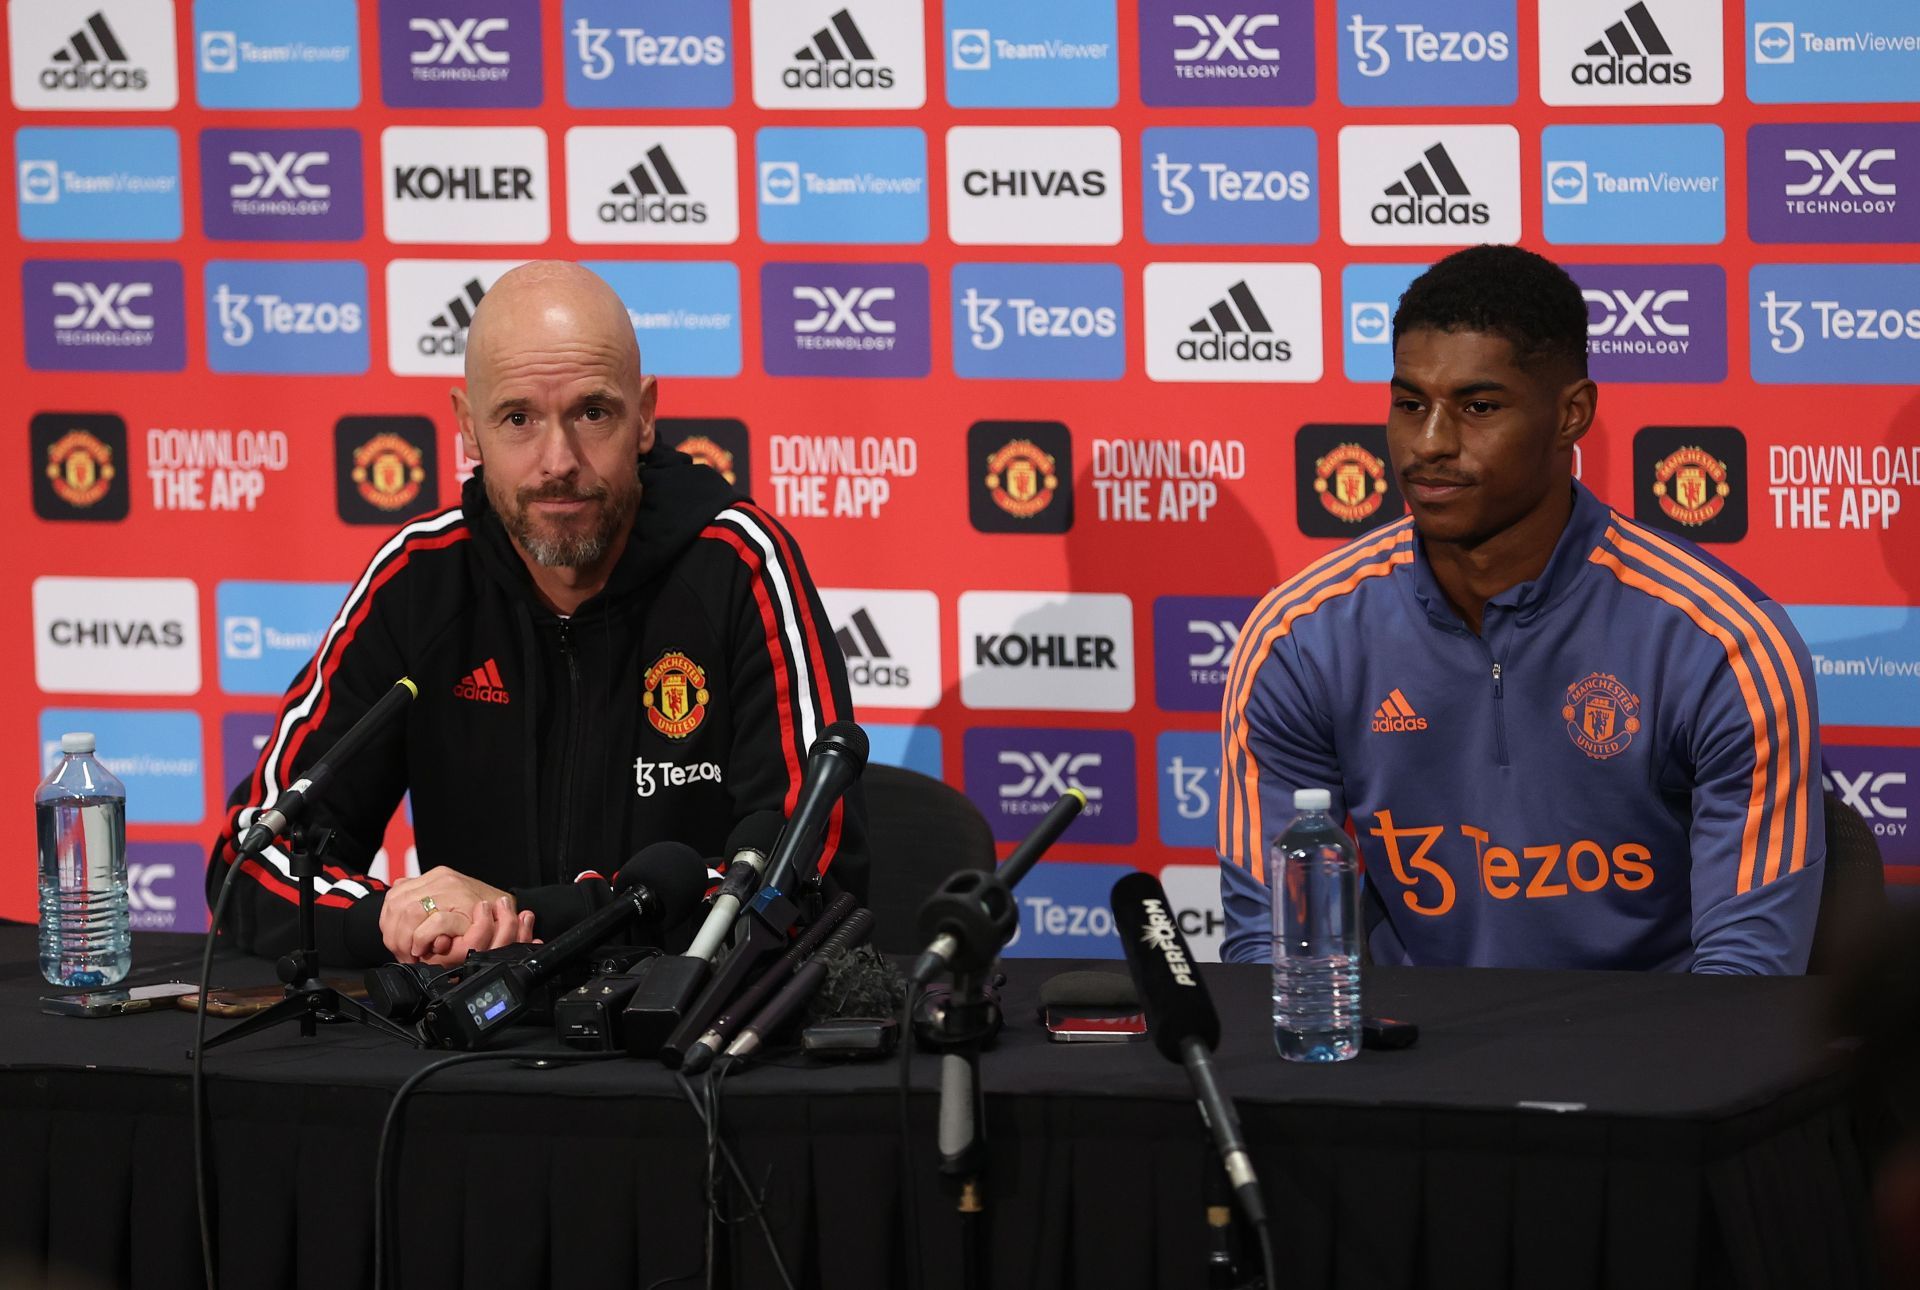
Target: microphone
803,984
974,912
705,1048
661,885
1181,1020
747,848
275,820
833,763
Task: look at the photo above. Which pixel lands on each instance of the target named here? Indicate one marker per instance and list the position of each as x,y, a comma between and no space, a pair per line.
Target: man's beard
564,547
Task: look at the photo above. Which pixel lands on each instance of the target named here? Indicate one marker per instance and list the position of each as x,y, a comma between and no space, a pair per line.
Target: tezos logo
863,54
305,316
649,53
385,469
1392,56
80,466
1020,476
650,777
109,55
1835,323
1233,322
1248,185
1039,321
1344,482
1691,480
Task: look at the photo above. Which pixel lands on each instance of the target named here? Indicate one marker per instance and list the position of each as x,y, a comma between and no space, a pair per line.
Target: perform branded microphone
1181,1020
291,805
661,886
803,984
748,846
736,1014
972,915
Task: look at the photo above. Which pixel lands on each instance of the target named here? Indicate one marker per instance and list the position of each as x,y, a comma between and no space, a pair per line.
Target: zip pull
566,638
1496,680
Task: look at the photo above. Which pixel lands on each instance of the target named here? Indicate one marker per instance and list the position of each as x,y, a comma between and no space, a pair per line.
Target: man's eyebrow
1478,387
603,395
503,406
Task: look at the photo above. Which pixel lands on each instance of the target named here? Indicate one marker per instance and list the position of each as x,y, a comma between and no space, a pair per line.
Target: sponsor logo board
845,320
1020,476
1193,640
156,754
685,313
891,642
430,304
1633,184
440,54
1655,322
1644,52
1369,295
464,184
1344,482
648,53
252,55
1691,480
97,56
116,635
1866,662
1007,53
839,53
1249,185
667,185
79,184
1233,322
1040,650
1834,324
1809,51
842,185
287,316
1016,775
104,315
385,469
1226,53
1833,182
270,630
79,462
1409,53
1417,185
1039,322
1033,185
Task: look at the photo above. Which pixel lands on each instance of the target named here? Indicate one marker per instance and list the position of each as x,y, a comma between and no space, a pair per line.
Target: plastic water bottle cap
79,741
1312,799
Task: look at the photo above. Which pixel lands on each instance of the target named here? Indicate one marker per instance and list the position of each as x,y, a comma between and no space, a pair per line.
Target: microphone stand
309,999
965,1026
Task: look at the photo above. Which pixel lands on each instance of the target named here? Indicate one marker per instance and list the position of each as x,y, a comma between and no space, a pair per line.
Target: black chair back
919,831
1853,891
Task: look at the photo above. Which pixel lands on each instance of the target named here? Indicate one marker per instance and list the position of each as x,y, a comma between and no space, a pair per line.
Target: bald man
612,648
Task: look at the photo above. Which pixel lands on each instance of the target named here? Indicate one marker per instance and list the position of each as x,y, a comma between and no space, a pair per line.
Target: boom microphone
291,805
1181,1019
802,985
735,1015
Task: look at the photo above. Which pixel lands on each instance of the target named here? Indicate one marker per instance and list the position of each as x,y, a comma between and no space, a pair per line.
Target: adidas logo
868,658
1634,51
88,61
1396,715
1432,192
652,193
482,686
835,59
449,327
1234,329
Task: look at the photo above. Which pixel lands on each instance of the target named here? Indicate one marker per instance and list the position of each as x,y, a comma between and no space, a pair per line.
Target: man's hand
491,925
452,896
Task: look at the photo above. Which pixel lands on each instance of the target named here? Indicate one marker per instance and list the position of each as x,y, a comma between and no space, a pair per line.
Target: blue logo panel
1866,662
270,630
1814,51
1039,322
866,186
1633,184
686,313
87,185
1189,763
157,755
301,317
1243,186
252,55
1835,324
1066,912
1369,294
1414,53
916,748
1013,53
648,53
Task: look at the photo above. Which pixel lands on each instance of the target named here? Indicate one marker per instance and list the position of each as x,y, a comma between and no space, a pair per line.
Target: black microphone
973,912
833,763
1181,1020
661,886
735,1015
748,846
291,805
803,984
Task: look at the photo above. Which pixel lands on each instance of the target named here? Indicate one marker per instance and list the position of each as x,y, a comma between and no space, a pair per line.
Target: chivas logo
1602,715
676,695
1691,484
80,468
708,453
1021,479
388,471
1350,482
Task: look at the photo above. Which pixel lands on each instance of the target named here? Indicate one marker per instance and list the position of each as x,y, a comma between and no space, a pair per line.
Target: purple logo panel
845,319
1655,322
1016,775
1193,640
166,886
1834,182
1226,53
242,736
104,315
281,185
460,53
1883,785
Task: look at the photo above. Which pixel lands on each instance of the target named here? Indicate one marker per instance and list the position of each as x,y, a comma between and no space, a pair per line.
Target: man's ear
1578,407
463,417
649,401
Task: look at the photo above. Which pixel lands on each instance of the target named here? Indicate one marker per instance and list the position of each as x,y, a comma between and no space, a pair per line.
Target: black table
1551,1129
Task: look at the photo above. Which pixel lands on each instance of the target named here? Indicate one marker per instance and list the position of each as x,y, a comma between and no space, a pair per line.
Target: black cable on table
909,1197
199,1087
739,1177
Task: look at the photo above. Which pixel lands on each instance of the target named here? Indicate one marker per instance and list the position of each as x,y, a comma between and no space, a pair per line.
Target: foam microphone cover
673,872
757,832
1177,1004
1089,990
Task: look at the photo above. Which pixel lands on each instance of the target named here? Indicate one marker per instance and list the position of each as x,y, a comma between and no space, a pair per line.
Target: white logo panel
464,184
839,53
1631,52
1233,322
660,186
1042,650
1022,186
429,305
1422,185
1194,892
891,641
116,635
101,56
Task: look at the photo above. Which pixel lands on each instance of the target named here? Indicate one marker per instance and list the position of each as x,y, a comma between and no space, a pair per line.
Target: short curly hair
1504,291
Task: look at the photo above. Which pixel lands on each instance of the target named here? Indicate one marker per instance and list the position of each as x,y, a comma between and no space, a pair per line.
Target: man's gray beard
568,550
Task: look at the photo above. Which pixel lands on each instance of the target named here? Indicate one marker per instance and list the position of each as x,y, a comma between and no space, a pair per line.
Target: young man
612,648
1563,739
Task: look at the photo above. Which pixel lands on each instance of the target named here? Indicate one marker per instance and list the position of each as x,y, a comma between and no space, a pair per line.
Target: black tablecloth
1550,1129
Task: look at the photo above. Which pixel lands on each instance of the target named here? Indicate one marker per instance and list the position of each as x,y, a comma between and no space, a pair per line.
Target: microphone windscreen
846,738
1177,1004
673,872
1089,990
757,832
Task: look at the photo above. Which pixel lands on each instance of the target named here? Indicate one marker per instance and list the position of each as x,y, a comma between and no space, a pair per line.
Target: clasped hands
441,916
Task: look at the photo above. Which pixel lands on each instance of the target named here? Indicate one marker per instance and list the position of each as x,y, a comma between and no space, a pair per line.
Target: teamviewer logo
1566,183
1772,42
219,51
39,182
1369,322
971,50
241,636
780,183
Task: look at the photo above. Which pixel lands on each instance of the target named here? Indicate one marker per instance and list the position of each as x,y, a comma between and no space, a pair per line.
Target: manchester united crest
708,453
388,471
1351,482
80,468
1602,715
676,695
1692,486
1021,478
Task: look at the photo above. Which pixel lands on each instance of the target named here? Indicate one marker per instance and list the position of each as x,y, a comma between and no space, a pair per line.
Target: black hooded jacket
543,751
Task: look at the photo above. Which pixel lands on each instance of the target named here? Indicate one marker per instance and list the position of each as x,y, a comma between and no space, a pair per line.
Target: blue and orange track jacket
1620,771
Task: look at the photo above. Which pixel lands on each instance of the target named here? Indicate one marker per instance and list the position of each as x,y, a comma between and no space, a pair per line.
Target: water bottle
1316,935
85,939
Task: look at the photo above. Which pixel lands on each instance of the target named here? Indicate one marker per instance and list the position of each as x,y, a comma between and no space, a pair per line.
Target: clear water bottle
85,939
1316,935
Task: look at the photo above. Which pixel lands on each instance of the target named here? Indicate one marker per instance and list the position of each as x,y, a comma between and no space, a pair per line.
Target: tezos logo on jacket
676,695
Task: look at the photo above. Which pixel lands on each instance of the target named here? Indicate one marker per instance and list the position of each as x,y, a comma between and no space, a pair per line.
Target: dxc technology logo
1193,640
1812,51
1251,185
289,316
434,53
85,185
844,185
845,320
166,889
1189,762
1835,324
281,185
1413,53
104,315
1009,53
1838,182
1042,322
1016,775
1883,785
1634,184
1226,53
253,55
270,630
685,313
649,53
1655,322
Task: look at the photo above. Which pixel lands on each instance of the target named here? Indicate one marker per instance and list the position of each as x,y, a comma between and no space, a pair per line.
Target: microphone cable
710,1121
909,1197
